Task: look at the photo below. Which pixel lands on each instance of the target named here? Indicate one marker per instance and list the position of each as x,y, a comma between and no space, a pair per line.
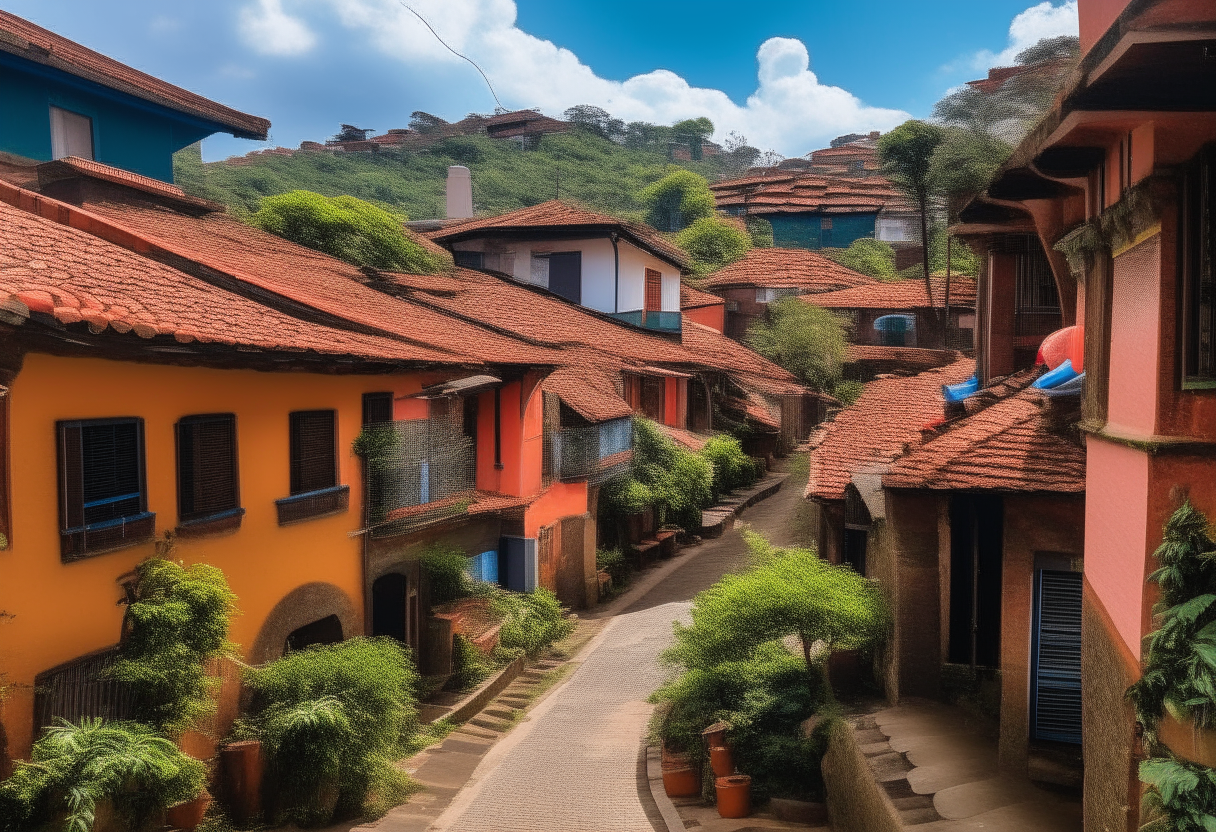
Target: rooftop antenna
454,52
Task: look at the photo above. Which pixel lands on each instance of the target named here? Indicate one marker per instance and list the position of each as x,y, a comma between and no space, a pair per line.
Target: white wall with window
895,229
71,134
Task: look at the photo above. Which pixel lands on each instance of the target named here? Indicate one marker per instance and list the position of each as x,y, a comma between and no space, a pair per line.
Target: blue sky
788,74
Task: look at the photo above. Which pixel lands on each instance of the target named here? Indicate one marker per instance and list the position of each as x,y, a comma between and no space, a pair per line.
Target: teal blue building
816,231
59,99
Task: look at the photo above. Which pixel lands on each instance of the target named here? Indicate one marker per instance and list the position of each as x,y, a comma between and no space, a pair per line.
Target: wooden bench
667,542
643,552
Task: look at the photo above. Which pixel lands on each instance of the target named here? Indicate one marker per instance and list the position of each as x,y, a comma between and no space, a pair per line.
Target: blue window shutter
1057,657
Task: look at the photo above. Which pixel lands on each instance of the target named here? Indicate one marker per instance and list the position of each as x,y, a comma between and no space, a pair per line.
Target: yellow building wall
62,611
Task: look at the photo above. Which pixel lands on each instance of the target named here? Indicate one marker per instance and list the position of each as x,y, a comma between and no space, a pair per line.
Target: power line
454,52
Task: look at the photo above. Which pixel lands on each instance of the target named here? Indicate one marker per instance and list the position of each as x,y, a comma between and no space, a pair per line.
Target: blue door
1056,673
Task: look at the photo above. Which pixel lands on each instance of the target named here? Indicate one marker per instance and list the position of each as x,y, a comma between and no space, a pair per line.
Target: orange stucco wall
713,317
562,499
1135,338
62,611
1096,16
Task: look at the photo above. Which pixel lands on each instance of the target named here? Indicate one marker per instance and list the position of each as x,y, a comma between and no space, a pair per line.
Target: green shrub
848,390
75,768
712,243
613,562
470,666
680,195
808,341
680,482
332,719
176,623
868,256
531,621
761,232
622,496
445,569
350,229
732,468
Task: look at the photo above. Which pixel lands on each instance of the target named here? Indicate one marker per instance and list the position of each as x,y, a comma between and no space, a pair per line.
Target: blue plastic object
1072,387
1056,377
960,391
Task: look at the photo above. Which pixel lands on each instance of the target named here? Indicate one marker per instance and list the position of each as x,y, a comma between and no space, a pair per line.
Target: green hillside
591,170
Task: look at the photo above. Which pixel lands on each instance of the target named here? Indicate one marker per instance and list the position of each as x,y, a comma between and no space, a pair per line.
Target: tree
804,339
596,120
350,229
642,135
786,592
678,199
422,122
867,256
693,131
907,153
714,242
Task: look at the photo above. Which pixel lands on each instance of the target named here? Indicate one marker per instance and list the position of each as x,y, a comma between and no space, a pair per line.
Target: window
71,134
654,291
207,488
654,396
825,224
468,259
377,407
1198,281
566,275
103,499
314,468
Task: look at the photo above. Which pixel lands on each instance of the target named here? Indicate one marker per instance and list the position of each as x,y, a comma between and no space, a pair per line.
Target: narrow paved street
575,762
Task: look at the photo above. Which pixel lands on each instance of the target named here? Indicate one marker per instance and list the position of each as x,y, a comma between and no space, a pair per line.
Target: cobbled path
577,767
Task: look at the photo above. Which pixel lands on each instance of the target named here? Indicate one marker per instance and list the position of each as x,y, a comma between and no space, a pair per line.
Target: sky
789,75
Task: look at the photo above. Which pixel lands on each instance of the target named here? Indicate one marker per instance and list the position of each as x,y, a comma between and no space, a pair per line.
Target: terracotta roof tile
1008,446
780,191
558,214
900,294
888,416
71,166
33,43
590,391
786,268
691,298
76,277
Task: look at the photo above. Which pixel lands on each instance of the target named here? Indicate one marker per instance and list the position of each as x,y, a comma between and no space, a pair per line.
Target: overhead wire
454,52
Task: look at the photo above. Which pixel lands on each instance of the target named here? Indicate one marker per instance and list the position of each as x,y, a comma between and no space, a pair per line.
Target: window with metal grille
103,495
314,462
206,467
1035,283
1198,273
654,291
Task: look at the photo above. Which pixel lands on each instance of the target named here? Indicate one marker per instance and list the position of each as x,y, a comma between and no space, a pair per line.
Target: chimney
460,193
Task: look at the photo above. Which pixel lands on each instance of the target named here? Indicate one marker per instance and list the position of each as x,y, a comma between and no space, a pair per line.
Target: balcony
657,321
592,452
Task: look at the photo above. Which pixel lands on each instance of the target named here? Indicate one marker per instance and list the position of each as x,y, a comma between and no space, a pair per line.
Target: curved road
575,764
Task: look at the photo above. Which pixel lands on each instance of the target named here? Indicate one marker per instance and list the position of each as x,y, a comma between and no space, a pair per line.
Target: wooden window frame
653,280
1196,239
79,539
309,503
374,402
196,522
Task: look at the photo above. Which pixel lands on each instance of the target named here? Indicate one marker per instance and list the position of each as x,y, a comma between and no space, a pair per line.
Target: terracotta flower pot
722,761
734,796
681,781
715,734
189,814
675,758
241,769
1198,746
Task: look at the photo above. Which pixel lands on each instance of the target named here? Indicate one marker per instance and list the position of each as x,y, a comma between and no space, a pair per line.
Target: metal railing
592,452
659,321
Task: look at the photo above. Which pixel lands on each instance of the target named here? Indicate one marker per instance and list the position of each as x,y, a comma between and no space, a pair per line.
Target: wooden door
654,291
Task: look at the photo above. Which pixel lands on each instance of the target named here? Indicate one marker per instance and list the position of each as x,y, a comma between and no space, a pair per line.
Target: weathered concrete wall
856,803
912,521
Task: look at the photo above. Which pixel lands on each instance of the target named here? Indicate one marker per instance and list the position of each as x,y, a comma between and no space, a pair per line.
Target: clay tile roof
875,430
1008,446
900,294
714,349
786,268
295,274
47,267
33,43
691,298
71,166
778,191
558,214
692,441
590,392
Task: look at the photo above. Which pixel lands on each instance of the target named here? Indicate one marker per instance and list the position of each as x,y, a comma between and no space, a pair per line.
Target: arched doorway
327,630
389,606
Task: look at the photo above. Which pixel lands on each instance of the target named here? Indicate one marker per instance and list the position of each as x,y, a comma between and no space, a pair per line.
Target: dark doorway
566,275
388,606
855,549
976,528
327,630
1056,686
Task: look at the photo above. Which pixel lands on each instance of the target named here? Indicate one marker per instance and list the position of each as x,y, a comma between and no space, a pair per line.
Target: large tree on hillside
907,154
693,131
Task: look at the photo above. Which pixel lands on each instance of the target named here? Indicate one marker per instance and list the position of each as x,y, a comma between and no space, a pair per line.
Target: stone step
513,697
490,723
475,731
897,789
500,712
916,801
914,817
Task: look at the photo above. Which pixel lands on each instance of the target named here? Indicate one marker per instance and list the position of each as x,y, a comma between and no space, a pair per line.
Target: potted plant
734,795
189,814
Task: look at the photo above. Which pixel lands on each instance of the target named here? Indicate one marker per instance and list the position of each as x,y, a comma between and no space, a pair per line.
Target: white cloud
790,110
1046,20
266,28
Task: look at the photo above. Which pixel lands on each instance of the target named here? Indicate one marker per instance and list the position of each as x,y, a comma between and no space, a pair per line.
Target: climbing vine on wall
1180,673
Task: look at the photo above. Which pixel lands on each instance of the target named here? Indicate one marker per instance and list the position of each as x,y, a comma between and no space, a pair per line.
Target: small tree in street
787,592
804,339
907,153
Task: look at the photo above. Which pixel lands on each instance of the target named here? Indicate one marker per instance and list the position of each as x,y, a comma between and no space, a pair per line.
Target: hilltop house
620,268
